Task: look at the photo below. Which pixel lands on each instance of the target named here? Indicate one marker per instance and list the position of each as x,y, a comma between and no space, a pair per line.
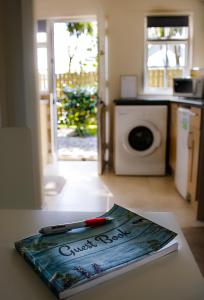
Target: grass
91,130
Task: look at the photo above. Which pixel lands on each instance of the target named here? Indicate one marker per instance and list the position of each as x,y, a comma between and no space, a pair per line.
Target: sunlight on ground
83,189
76,148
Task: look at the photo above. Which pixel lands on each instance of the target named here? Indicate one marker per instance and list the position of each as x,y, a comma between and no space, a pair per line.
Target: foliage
77,28
77,109
79,106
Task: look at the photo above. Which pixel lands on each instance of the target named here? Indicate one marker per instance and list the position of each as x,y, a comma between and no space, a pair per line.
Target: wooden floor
75,186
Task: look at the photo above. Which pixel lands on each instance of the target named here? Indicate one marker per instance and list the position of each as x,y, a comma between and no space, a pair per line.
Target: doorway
75,53
65,79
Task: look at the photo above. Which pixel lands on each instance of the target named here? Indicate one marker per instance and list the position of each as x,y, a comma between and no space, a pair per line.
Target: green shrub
78,108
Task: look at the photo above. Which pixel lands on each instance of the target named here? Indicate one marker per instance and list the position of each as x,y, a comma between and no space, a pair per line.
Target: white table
173,277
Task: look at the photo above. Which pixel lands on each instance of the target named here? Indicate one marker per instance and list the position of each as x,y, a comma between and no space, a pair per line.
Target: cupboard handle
190,140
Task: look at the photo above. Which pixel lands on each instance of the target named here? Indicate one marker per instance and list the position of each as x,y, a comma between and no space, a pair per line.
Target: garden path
76,148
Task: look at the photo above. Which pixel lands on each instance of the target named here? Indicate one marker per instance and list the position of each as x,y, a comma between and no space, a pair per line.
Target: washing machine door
142,138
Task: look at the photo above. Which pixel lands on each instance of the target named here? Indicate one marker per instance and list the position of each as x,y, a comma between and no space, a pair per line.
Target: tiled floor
77,187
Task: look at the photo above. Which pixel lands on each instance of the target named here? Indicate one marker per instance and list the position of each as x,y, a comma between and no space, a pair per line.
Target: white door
103,115
182,152
52,85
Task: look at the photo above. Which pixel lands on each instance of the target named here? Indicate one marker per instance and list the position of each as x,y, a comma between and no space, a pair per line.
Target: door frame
103,91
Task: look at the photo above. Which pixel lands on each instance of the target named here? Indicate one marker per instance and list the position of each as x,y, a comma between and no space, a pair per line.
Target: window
42,58
167,51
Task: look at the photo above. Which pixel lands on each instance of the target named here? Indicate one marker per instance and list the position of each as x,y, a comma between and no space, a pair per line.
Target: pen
61,228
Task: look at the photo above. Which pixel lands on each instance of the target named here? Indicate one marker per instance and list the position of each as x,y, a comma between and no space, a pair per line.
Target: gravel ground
76,148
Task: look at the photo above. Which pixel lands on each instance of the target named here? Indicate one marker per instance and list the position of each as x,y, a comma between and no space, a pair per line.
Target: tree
168,34
77,29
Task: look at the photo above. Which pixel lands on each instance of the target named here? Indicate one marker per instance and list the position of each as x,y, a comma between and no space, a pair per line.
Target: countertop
160,100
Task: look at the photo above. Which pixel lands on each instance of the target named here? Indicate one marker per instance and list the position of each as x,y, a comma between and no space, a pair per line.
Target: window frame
45,45
188,56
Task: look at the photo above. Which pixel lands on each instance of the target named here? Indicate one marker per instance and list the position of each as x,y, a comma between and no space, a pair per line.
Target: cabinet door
193,145
173,128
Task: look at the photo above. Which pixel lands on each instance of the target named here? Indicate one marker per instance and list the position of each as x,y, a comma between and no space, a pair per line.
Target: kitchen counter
160,100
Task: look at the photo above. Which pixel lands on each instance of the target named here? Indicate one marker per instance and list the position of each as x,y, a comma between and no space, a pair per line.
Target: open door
103,116
101,136
47,103
52,89
102,113
73,66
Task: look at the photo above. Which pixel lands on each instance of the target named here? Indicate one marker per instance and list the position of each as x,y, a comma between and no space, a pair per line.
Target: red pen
61,228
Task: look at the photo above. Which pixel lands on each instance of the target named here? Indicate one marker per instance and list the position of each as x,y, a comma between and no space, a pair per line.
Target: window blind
167,21
42,26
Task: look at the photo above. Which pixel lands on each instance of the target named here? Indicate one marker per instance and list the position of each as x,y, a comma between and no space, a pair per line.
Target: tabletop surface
175,276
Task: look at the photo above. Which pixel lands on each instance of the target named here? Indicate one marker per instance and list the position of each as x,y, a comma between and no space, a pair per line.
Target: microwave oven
191,87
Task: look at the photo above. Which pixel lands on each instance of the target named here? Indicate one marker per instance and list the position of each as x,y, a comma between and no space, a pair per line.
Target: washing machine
140,134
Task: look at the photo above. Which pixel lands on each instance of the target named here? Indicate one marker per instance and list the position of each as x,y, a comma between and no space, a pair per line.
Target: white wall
126,29
31,94
2,64
19,101
16,177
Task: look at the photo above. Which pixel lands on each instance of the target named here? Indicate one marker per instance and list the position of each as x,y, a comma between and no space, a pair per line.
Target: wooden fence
156,77
74,79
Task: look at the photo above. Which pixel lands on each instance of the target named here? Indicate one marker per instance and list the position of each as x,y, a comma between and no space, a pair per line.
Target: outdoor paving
76,148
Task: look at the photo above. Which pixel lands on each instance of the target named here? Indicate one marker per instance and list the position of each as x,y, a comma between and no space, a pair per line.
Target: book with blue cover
76,260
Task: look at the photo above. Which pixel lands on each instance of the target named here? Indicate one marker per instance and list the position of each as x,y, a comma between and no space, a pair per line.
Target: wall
2,64
13,69
16,177
18,101
44,109
126,30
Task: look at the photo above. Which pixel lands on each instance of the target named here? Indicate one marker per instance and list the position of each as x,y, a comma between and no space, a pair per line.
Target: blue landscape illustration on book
67,260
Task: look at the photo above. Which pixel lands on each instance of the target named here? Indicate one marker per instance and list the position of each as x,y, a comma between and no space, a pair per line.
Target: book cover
73,261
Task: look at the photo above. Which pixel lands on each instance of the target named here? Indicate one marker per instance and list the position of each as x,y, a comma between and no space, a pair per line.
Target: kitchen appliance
182,151
140,139
192,87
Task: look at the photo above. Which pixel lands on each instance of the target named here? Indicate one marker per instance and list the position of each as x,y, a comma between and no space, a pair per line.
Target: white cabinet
193,148
182,151
172,136
189,144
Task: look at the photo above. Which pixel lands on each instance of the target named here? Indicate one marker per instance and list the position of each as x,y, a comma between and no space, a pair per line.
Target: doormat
53,185
195,239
